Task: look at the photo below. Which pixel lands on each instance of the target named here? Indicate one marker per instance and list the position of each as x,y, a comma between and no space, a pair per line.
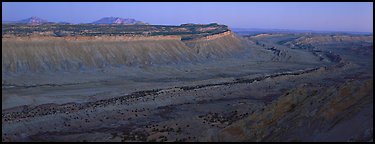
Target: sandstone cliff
47,53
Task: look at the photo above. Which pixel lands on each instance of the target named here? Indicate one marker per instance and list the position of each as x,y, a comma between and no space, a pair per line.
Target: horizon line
248,28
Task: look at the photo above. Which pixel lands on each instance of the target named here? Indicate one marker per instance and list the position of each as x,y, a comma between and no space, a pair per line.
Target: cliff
39,53
218,45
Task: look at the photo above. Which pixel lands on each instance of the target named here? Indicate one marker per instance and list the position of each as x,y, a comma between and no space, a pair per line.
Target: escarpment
56,50
218,45
329,40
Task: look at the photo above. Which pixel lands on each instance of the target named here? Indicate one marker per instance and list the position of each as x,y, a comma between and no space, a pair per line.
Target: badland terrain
192,82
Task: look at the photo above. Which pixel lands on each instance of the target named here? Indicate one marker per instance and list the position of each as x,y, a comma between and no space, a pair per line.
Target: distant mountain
7,22
106,20
118,20
32,21
63,23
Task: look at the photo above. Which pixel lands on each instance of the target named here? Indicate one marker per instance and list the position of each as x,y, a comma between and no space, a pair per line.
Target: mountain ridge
32,21
118,20
105,20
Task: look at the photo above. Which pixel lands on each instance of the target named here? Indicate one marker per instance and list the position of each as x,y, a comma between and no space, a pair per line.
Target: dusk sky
349,16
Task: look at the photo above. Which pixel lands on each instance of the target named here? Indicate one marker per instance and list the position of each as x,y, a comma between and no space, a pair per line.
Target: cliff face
46,53
219,45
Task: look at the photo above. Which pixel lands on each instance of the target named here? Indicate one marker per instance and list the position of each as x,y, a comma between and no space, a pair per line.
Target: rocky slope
46,53
309,113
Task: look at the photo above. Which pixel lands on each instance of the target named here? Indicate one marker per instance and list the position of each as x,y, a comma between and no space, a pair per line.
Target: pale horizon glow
317,16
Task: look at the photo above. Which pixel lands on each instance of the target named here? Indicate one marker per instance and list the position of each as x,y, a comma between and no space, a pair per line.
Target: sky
318,16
